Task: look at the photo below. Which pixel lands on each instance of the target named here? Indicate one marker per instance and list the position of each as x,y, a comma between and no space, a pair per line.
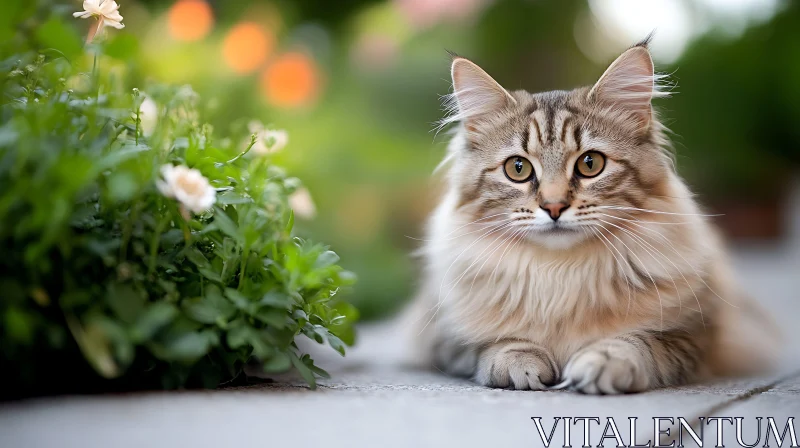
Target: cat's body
544,266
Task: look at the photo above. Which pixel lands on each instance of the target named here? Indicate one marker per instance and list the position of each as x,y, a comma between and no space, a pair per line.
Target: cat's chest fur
491,286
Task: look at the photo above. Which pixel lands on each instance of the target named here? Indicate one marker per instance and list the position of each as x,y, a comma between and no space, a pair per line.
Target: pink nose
554,209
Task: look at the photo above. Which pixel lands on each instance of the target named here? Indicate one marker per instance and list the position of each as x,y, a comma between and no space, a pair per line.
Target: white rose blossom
300,201
148,116
188,186
267,140
106,11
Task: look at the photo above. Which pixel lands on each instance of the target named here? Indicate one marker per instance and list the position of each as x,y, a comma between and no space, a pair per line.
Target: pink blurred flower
426,13
375,52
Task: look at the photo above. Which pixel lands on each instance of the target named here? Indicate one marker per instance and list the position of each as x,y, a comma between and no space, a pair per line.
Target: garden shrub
120,269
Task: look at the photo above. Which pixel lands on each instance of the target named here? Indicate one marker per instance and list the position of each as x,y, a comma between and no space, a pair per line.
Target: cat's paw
516,364
607,367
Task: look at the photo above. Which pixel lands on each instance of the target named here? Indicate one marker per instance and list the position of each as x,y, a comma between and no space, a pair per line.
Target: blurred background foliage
357,83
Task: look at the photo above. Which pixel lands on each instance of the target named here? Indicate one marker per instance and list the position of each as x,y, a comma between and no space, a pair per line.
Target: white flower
148,116
106,11
188,186
300,201
267,140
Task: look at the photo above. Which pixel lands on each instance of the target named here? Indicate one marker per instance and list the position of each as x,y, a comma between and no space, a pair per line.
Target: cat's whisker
485,225
476,221
454,283
619,263
649,248
658,292
507,228
520,234
640,236
458,279
477,240
490,223
616,207
438,305
674,249
644,222
504,242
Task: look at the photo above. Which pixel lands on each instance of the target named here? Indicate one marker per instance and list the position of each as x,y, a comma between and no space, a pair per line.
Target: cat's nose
554,209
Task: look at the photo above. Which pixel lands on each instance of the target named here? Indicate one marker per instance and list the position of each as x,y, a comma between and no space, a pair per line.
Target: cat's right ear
476,93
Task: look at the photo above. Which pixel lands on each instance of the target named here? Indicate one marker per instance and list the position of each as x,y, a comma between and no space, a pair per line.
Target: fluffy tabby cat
567,251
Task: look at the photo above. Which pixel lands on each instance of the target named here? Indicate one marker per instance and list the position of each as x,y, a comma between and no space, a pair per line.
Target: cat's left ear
629,84
476,93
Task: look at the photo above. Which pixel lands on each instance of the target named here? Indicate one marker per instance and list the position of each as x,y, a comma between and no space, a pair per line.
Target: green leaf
326,259
290,223
57,35
154,318
239,299
317,370
210,309
231,197
122,186
188,347
226,225
116,158
95,346
122,46
304,371
238,336
274,318
126,302
336,343
277,299
195,256
210,274
279,362
19,325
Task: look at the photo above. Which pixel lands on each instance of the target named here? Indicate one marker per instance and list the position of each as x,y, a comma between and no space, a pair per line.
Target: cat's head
554,164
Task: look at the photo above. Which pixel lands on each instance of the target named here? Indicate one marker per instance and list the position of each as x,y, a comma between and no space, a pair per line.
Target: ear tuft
630,83
646,41
475,93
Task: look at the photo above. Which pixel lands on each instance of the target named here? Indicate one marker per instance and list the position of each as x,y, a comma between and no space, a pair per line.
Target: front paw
516,364
606,367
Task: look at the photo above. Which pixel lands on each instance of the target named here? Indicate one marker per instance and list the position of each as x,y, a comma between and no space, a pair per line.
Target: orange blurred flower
292,80
247,46
190,20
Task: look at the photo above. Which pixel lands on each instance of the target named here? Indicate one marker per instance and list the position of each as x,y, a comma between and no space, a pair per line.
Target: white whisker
658,292
615,207
677,252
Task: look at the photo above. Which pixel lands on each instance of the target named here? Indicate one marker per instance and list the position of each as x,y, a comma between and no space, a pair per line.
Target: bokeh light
190,20
247,46
292,80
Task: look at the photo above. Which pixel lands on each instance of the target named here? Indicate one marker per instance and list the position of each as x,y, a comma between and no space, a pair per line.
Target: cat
566,251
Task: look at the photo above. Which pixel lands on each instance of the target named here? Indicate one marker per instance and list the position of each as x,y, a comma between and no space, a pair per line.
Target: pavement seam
750,393
739,398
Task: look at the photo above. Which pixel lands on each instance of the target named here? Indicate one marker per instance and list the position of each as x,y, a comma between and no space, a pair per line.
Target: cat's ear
629,83
475,92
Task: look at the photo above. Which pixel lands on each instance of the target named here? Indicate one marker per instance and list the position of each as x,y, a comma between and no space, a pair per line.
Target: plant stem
126,231
249,147
151,268
138,112
243,268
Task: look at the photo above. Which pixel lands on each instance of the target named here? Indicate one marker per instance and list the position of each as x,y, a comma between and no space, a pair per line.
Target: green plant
101,259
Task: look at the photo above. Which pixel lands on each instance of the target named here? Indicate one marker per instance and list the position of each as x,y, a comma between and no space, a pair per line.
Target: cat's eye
590,164
518,169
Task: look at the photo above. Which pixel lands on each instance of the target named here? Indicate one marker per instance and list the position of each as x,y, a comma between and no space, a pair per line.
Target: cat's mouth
556,228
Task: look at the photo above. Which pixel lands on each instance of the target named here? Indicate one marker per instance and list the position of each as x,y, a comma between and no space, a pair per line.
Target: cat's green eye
590,164
518,169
